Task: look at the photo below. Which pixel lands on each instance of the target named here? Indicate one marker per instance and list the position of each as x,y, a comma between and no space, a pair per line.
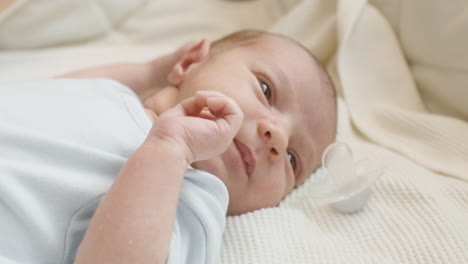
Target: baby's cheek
276,187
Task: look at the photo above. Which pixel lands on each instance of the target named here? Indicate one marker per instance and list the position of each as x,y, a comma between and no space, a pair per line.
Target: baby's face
278,87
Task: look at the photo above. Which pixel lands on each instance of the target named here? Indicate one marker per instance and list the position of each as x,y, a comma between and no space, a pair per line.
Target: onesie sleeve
200,219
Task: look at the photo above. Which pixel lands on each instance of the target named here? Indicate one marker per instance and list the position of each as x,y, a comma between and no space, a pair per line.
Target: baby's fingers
225,108
191,107
215,106
194,105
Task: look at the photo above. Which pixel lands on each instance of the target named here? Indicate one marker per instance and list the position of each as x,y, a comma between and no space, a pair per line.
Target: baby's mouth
246,156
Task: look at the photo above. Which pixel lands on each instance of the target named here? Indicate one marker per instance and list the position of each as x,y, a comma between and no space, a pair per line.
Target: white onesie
62,143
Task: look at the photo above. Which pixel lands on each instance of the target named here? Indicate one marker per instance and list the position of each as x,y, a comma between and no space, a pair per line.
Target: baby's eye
292,160
266,90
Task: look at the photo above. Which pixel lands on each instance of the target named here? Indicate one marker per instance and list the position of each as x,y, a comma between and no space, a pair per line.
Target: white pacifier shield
345,185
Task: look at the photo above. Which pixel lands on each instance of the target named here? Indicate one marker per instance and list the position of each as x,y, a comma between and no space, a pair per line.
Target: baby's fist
203,125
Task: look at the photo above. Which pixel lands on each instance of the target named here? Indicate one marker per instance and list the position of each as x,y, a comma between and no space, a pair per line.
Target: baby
288,105
251,113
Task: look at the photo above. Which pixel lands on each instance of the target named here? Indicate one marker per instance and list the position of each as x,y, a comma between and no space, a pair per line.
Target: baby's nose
274,136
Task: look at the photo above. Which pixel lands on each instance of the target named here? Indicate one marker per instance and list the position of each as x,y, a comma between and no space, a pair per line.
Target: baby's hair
235,39
247,37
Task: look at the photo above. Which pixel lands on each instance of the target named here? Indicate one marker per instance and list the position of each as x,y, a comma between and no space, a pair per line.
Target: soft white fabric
57,23
200,220
63,143
384,100
400,68
61,22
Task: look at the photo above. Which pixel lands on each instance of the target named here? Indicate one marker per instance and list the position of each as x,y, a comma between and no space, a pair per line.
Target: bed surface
401,71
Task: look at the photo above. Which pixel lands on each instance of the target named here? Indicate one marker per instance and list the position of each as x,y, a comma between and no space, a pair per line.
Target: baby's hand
203,125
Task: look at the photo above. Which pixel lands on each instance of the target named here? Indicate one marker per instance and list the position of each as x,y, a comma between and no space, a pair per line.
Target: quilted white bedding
401,70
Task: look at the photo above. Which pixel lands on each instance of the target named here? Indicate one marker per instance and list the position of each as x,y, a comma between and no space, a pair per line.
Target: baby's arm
133,223
143,78
140,77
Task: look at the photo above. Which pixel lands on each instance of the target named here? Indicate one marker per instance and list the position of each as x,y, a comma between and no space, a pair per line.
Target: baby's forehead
267,42
279,52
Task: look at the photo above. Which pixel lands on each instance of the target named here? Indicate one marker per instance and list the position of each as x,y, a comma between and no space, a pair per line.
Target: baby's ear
194,53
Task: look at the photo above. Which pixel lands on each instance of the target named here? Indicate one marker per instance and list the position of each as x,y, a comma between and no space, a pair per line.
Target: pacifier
344,183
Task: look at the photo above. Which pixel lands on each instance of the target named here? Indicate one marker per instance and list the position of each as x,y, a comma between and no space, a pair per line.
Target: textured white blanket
401,69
